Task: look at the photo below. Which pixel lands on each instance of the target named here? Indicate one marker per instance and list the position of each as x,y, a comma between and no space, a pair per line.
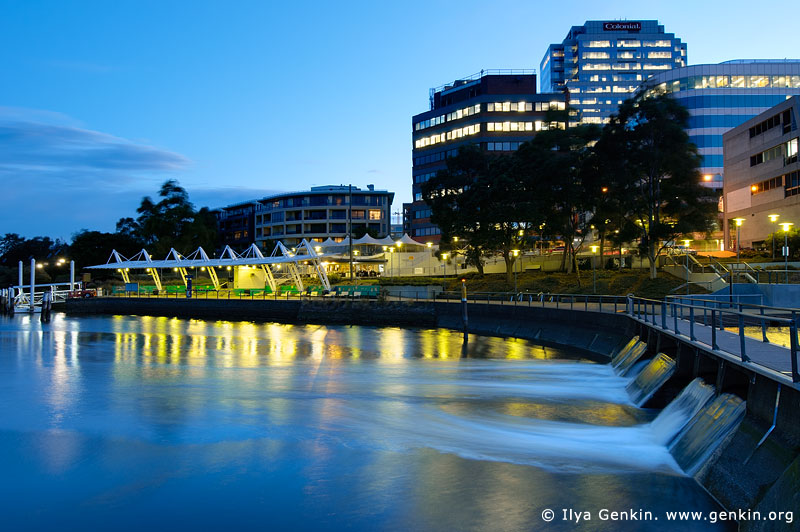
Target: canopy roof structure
407,240
303,253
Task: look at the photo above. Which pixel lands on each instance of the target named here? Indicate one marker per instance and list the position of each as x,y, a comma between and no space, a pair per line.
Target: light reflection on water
366,427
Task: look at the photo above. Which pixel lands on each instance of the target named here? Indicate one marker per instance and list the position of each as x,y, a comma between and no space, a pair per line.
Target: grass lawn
610,282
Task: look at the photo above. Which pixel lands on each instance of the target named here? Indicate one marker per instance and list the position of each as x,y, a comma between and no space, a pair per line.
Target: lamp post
516,254
739,222
686,243
444,271
594,276
391,254
429,245
786,226
773,218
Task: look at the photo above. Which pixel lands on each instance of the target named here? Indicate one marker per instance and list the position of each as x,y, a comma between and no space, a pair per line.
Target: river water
132,423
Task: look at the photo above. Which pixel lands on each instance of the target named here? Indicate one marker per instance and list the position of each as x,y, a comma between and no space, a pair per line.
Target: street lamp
786,226
516,254
686,243
773,218
391,254
594,277
429,245
444,271
739,222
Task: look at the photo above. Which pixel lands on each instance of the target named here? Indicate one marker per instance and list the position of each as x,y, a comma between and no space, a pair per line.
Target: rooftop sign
622,26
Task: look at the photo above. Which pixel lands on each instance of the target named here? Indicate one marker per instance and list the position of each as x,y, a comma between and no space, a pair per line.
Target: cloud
61,176
58,151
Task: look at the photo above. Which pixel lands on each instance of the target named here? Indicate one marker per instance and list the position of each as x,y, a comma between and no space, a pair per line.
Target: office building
722,96
496,110
602,63
316,214
762,175
236,224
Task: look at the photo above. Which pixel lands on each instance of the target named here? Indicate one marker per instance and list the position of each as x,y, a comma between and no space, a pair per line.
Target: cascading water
616,357
706,431
651,378
681,410
627,358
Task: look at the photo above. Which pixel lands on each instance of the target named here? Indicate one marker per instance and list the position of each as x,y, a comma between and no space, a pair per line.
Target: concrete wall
589,334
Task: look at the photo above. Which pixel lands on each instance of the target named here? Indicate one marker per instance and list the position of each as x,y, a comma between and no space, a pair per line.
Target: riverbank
597,337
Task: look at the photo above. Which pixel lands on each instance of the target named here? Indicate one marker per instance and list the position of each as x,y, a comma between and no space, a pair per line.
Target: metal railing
704,316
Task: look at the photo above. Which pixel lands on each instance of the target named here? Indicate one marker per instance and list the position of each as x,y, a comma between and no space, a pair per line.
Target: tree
172,222
561,184
90,248
477,199
651,168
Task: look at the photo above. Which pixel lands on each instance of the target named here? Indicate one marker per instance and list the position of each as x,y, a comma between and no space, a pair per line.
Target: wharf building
762,175
317,214
495,109
722,96
602,63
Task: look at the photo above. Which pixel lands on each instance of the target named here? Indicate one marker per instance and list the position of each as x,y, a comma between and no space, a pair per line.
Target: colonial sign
622,26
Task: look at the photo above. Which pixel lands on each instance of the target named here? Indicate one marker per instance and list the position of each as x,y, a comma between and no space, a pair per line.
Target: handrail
635,305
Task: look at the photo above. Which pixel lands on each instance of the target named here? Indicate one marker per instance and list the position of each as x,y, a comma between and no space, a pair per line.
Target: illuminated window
374,214
597,44
656,44
648,66
596,66
627,66
595,55
626,55
659,55
628,43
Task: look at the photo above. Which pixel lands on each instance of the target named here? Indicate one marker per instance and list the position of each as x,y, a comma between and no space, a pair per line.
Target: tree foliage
171,222
477,200
650,167
561,186
636,179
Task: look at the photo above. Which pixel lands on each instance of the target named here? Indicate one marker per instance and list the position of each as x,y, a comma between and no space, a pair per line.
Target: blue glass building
603,63
722,96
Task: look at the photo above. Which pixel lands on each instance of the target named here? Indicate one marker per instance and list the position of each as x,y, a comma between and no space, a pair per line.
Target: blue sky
100,101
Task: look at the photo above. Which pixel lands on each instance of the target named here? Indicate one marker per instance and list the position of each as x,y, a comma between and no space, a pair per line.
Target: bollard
47,302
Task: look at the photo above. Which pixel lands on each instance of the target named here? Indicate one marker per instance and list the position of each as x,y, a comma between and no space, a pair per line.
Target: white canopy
407,240
367,239
385,241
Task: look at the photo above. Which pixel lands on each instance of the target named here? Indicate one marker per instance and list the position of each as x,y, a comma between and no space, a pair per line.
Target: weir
706,431
651,378
627,357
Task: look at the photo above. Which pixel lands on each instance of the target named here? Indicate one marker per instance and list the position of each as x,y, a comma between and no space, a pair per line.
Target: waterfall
706,431
651,378
628,357
694,424
616,357
681,410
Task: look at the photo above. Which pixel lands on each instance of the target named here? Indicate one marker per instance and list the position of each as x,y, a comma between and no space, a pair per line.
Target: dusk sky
102,101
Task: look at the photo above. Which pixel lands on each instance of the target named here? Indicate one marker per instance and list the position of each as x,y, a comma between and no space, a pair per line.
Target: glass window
737,82
595,55
597,44
628,43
